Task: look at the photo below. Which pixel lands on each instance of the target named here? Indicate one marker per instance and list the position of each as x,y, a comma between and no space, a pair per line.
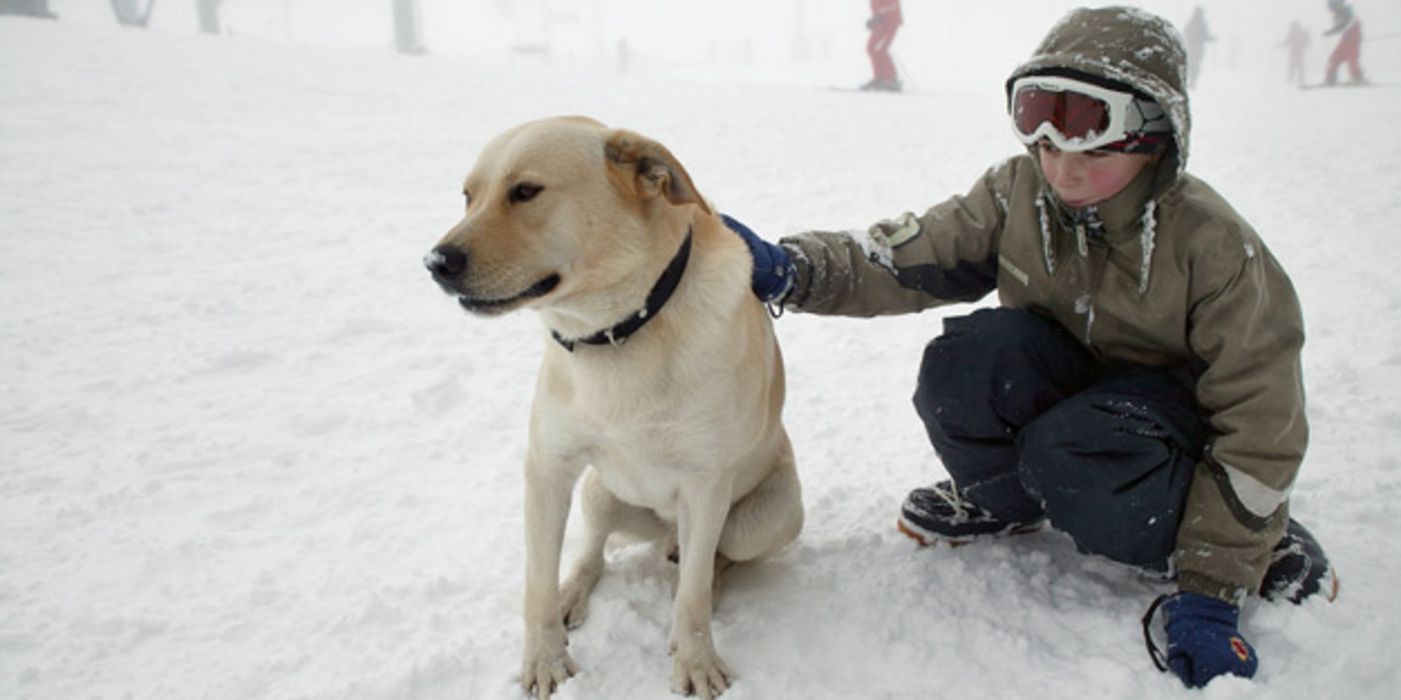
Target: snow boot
1298,568
939,513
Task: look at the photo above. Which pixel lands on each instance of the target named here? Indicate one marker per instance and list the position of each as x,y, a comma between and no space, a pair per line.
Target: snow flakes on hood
1146,53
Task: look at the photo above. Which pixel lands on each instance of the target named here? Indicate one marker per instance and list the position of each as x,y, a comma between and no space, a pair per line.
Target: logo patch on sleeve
902,230
1238,646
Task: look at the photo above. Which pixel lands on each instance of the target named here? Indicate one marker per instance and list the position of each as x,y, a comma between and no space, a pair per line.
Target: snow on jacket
1165,273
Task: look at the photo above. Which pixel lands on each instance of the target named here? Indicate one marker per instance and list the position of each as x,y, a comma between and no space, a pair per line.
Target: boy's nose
1059,175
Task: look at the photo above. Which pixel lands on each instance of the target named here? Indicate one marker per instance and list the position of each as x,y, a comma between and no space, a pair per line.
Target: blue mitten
774,271
1203,639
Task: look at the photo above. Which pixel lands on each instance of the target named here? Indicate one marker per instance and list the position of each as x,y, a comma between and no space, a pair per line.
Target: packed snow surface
249,450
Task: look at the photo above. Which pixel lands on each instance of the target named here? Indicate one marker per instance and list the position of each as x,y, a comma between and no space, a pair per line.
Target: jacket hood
1124,45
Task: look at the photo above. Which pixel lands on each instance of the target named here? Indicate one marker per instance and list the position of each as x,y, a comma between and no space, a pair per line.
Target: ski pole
909,79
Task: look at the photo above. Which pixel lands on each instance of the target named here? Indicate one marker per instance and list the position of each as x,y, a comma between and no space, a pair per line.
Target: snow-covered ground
249,450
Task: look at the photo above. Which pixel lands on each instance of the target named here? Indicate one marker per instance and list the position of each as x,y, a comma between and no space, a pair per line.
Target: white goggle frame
1118,103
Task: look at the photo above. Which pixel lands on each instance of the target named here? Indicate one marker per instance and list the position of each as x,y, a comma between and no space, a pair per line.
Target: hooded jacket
1165,273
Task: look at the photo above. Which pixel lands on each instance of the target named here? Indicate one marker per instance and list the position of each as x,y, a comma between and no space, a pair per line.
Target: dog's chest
648,446
649,462
653,486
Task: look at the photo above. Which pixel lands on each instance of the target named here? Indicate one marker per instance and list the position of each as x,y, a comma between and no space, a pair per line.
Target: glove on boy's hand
1203,641
774,271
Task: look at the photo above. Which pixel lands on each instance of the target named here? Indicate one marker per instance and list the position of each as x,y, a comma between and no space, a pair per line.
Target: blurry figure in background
208,14
1195,34
885,20
624,55
1297,43
408,31
130,15
30,8
1349,47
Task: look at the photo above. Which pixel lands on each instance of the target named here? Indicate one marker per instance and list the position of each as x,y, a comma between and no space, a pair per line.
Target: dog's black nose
445,262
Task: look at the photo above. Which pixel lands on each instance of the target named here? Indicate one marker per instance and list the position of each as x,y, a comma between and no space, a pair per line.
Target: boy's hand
774,271
1203,641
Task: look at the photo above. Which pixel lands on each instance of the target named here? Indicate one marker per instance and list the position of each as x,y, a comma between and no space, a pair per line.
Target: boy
1140,385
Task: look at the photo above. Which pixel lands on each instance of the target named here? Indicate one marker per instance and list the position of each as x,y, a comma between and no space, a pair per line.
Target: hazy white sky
941,43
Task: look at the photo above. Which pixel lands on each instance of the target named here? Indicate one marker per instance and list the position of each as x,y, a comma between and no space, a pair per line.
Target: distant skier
885,20
1349,48
29,8
1296,42
1195,35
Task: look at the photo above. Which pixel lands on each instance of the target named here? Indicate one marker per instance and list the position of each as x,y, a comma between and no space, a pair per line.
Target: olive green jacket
1175,278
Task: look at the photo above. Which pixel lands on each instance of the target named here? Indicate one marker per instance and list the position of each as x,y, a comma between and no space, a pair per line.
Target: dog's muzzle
448,265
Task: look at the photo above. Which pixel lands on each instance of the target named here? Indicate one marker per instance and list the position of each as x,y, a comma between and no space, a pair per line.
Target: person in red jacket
885,20
1349,47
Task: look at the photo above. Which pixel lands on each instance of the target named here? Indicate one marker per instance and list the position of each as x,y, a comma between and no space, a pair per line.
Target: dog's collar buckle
656,299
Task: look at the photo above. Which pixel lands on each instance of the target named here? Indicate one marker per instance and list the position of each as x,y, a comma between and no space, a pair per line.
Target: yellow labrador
660,371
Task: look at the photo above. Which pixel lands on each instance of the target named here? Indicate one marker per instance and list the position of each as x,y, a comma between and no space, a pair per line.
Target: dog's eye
524,192
466,198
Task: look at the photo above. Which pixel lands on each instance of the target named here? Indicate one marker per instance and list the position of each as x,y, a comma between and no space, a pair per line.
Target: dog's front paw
697,670
547,664
574,595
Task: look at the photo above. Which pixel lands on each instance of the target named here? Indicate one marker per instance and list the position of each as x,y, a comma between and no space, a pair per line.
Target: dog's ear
643,167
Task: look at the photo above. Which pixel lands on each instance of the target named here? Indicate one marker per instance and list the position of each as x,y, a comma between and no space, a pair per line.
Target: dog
661,382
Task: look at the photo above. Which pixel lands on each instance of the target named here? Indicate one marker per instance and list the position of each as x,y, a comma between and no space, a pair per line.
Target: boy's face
1082,179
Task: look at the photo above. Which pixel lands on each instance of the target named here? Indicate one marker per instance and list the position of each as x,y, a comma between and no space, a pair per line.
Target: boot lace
954,499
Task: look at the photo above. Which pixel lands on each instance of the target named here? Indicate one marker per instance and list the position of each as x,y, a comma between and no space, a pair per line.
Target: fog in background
942,44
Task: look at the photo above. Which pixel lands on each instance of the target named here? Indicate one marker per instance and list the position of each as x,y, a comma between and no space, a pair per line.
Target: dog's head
560,211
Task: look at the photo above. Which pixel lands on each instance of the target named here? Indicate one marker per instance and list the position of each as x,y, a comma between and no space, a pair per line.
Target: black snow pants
1029,424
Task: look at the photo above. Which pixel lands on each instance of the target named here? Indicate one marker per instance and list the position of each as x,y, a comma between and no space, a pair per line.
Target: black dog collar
656,299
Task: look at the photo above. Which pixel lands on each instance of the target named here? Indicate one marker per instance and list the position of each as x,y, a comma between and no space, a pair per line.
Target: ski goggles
1079,116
